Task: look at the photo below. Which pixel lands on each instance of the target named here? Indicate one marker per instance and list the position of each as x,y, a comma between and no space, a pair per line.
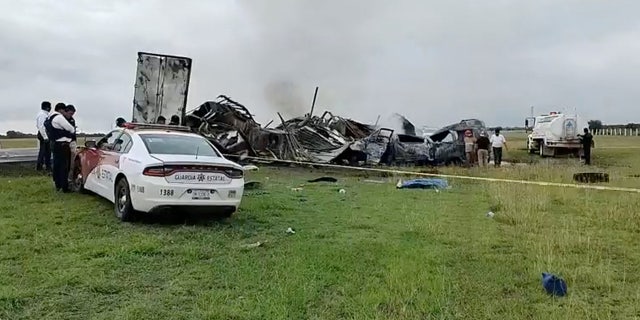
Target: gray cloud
434,61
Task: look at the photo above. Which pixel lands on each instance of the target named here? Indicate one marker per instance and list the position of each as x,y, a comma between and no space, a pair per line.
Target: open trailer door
162,86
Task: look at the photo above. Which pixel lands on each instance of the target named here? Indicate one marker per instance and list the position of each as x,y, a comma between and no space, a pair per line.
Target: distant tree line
593,125
598,125
12,134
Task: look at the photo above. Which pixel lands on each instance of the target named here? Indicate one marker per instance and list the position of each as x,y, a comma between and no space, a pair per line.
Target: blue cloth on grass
424,184
553,284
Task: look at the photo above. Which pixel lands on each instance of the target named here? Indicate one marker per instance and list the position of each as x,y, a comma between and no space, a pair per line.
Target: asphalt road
18,155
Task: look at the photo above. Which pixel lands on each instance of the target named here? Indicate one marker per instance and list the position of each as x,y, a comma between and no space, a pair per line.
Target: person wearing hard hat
469,147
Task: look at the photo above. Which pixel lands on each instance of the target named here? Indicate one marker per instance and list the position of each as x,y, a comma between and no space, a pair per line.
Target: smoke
398,123
285,97
304,44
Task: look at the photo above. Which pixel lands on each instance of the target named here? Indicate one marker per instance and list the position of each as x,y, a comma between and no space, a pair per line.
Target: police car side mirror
90,143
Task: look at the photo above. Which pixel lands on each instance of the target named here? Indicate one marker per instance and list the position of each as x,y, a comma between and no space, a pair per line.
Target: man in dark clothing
44,152
175,121
120,122
483,143
587,143
61,132
73,146
59,107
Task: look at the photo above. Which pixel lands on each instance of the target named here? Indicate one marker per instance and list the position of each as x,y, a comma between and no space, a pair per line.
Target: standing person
587,143
497,143
44,146
483,149
47,125
73,145
175,120
120,122
469,147
61,132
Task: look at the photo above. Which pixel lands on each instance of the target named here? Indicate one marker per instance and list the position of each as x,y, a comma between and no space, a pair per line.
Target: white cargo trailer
161,87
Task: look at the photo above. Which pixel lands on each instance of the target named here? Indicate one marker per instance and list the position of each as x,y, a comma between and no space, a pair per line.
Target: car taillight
154,171
234,173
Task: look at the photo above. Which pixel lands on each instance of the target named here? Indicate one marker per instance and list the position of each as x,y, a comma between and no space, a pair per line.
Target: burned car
384,146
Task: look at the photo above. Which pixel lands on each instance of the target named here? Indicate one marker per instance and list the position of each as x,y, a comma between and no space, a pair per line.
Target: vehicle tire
454,162
122,201
541,150
77,184
228,213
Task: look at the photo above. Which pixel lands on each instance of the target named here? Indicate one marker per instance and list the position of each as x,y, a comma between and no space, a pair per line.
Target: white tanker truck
555,134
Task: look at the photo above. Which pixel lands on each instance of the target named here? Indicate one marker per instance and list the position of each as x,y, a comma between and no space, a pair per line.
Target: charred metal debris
230,126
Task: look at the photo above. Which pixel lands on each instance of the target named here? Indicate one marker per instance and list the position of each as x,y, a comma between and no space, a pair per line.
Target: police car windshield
178,145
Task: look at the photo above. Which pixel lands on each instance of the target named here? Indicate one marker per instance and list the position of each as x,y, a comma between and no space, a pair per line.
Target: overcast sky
436,62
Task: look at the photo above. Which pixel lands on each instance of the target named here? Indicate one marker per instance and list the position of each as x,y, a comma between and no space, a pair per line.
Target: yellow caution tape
529,182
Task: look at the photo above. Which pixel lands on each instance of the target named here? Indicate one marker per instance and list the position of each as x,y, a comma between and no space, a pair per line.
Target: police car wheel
123,208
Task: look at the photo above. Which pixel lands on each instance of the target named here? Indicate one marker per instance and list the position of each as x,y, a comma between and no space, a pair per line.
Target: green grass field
374,252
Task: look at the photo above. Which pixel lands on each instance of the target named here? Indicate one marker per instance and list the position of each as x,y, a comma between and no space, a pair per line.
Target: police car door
115,158
109,164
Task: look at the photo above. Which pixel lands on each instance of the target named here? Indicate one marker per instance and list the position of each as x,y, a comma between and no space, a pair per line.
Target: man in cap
469,147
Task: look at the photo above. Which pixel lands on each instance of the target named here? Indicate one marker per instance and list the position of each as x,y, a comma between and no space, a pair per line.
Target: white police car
152,168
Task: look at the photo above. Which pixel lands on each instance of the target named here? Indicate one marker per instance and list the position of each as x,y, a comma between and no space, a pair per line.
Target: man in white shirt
62,133
44,152
497,143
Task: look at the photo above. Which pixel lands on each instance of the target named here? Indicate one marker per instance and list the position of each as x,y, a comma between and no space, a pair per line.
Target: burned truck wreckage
161,88
231,127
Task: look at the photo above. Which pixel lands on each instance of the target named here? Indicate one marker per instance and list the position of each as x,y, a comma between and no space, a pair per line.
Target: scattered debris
253,245
490,214
296,189
342,191
290,231
249,167
232,129
423,184
324,179
375,181
326,139
554,285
